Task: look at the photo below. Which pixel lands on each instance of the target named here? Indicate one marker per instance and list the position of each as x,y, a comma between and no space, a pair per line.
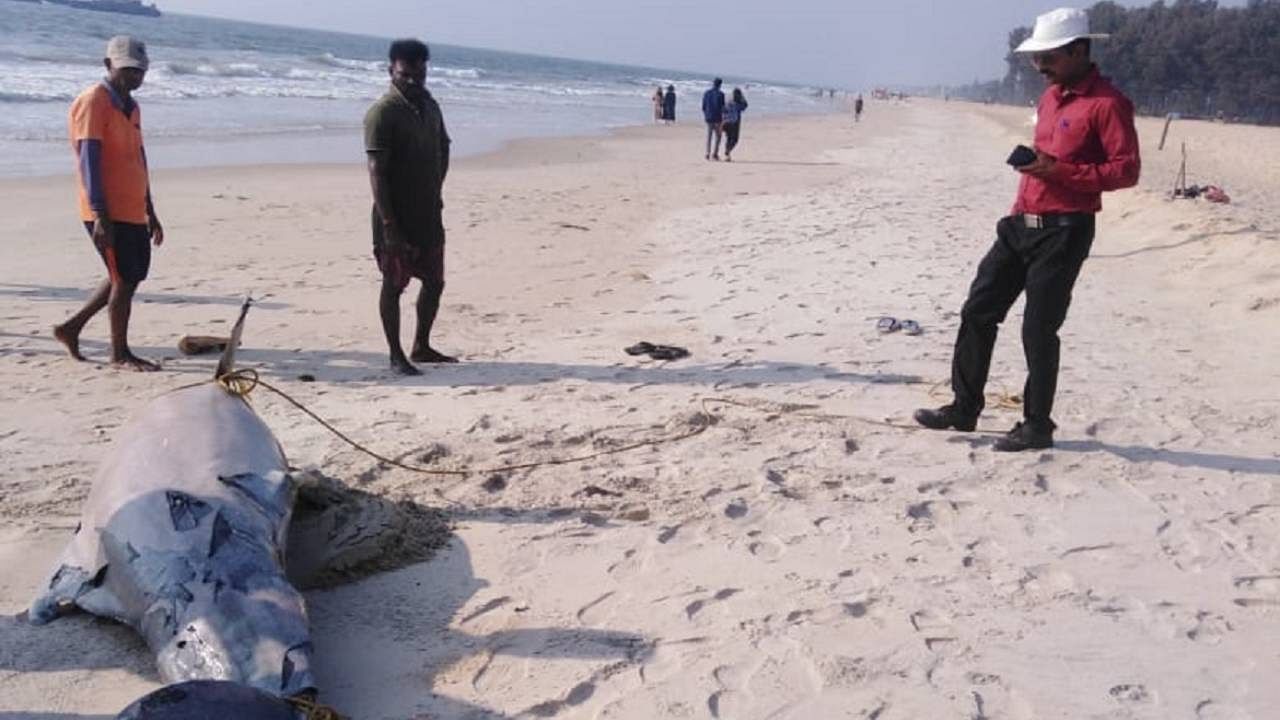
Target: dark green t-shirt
415,147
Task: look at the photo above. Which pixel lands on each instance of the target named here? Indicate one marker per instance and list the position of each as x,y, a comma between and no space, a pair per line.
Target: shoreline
482,155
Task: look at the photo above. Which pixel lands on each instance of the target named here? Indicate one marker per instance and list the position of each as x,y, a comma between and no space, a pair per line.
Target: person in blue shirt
713,113
733,122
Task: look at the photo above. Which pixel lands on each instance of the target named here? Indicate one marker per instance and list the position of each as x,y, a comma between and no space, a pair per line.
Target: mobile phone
1021,155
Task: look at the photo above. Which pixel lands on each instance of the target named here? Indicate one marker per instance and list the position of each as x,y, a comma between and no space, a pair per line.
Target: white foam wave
460,73
233,69
38,96
380,67
332,60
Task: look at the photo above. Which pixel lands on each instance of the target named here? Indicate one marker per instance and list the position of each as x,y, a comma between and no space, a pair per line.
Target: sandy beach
803,557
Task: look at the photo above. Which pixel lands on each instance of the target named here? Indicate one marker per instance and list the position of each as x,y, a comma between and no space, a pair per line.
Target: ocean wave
347,63
40,96
380,67
460,73
284,91
250,70
535,88
233,69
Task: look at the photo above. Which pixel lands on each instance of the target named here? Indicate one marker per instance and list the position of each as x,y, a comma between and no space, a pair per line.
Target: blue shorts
129,257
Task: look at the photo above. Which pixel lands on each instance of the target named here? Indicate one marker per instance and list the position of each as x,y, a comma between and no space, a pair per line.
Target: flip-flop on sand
887,324
911,327
668,352
657,352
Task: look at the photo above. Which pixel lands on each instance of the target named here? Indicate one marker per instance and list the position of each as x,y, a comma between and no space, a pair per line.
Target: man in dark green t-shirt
408,149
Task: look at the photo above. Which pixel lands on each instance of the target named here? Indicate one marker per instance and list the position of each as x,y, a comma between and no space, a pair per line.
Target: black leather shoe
1024,437
945,418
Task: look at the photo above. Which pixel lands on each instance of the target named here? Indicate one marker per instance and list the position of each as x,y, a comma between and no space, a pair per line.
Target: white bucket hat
1057,28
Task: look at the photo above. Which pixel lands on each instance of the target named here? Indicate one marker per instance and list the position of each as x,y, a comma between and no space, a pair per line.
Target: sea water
222,92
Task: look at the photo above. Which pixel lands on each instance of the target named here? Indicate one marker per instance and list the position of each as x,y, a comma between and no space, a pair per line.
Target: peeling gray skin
182,538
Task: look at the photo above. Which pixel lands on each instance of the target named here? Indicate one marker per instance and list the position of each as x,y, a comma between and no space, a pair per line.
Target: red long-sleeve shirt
1089,129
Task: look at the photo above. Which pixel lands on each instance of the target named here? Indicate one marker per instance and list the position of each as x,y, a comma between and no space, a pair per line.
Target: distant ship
125,7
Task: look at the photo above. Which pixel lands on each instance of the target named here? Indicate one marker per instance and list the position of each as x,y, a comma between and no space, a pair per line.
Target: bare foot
70,339
430,355
400,366
129,361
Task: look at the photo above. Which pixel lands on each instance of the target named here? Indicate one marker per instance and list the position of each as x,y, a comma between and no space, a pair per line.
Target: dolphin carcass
182,537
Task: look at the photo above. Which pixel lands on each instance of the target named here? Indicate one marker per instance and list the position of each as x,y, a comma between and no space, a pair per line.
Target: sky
837,43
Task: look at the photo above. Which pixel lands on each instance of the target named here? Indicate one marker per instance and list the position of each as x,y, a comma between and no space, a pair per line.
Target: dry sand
778,565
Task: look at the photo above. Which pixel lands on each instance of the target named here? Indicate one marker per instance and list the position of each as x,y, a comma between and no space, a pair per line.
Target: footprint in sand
857,609
1209,628
936,630
698,606
632,560
1210,709
580,693
768,550
727,701
1264,584
1183,549
1127,694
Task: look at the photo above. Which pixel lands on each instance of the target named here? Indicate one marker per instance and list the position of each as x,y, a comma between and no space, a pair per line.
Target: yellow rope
243,382
768,406
313,710
1002,399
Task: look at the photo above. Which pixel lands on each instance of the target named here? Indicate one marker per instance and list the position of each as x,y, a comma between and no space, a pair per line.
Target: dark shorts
423,259
399,267
128,259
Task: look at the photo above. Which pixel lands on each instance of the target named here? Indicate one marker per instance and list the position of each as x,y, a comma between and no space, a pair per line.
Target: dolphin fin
228,362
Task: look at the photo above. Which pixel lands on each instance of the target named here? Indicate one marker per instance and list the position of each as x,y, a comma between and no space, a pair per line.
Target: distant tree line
1191,57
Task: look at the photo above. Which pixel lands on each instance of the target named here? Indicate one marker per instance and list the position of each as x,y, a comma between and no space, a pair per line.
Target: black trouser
731,136
1045,262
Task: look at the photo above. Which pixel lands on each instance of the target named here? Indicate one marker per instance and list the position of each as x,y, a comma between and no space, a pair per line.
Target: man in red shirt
1085,144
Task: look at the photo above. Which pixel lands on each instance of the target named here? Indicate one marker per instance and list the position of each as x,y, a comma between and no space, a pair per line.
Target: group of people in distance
723,117
664,105
1085,144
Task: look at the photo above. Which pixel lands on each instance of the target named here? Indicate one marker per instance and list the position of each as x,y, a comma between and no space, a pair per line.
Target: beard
412,91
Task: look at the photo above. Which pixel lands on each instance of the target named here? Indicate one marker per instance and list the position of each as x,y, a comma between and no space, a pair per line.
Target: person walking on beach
857,108
733,122
658,98
1085,144
105,127
669,105
408,153
713,114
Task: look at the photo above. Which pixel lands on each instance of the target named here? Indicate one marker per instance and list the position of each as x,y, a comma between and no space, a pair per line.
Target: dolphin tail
228,362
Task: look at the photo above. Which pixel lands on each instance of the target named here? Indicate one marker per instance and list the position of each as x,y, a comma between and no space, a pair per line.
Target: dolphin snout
257,637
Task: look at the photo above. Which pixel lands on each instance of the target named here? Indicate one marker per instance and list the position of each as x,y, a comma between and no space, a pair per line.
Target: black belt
1032,221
